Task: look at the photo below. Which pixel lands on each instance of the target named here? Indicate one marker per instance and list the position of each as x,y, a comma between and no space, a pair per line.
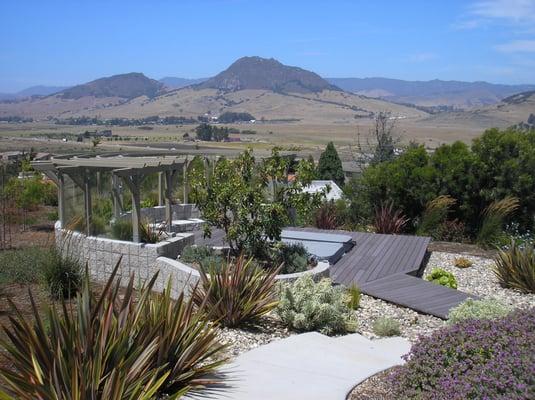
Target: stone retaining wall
102,254
185,277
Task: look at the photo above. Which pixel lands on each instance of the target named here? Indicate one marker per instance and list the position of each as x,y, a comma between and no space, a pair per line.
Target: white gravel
480,280
240,340
477,279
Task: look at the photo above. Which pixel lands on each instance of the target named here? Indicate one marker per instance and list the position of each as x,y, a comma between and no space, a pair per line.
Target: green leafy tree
505,165
204,132
250,201
407,182
330,165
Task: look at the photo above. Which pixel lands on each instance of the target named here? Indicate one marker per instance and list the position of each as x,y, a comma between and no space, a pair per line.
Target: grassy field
299,137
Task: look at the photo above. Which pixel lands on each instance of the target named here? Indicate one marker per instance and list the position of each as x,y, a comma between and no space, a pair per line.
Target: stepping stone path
309,366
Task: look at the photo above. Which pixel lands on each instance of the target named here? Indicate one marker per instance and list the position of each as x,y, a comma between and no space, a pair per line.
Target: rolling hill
262,87
126,86
513,110
431,93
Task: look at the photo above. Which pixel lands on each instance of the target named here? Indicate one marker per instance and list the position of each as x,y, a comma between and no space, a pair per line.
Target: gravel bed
375,387
241,340
479,279
412,324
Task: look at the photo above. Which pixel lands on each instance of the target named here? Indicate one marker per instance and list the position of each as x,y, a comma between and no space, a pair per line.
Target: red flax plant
389,221
110,348
238,293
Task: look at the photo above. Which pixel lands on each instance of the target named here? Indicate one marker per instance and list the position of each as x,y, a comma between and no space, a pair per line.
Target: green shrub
442,277
515,267
239,293
308,306
52,215
98,225
103,208
452,231
203,256
385,326
354,294
22,266
61,275
292,256
478,309
462,262
121,229
116,346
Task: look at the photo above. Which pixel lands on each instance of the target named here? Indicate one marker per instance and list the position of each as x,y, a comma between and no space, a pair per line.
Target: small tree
382,145
235,198
204,132
330,165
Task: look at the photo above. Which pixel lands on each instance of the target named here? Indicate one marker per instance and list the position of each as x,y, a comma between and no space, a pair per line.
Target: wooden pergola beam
132,170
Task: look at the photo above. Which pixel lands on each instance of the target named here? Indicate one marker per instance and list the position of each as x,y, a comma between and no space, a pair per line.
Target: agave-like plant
237,293
515,267
108,347
389,221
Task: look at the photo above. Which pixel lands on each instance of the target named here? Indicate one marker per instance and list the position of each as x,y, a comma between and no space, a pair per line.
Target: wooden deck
387,267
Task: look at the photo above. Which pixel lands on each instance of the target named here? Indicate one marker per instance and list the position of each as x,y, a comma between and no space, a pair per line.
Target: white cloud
508,10
517,46
518,13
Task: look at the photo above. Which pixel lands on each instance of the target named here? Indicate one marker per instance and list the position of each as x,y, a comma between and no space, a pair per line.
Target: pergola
132,170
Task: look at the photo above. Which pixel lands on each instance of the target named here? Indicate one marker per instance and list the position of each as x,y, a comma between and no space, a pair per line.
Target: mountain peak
268,74
128,86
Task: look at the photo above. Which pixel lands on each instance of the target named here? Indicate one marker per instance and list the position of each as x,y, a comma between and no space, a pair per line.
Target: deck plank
379,264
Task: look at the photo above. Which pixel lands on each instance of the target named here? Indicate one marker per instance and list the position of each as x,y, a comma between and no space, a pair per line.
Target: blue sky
69,42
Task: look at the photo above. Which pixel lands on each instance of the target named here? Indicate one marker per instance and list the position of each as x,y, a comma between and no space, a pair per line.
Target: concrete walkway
308,366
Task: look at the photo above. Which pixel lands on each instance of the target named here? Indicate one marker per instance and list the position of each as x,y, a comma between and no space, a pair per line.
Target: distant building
42,156
351,169
335,193
12,156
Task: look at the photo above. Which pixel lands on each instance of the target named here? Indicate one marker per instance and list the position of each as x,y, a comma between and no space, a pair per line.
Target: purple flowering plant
474,359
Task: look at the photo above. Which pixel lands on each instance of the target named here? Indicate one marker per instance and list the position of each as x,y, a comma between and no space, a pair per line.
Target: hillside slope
127,86
431,93
267,74
510,111
262,87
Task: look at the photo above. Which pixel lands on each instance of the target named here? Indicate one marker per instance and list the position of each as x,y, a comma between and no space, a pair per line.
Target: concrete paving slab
309,366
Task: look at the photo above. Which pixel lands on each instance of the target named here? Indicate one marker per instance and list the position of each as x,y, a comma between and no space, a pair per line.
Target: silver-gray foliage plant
478,309
309,306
